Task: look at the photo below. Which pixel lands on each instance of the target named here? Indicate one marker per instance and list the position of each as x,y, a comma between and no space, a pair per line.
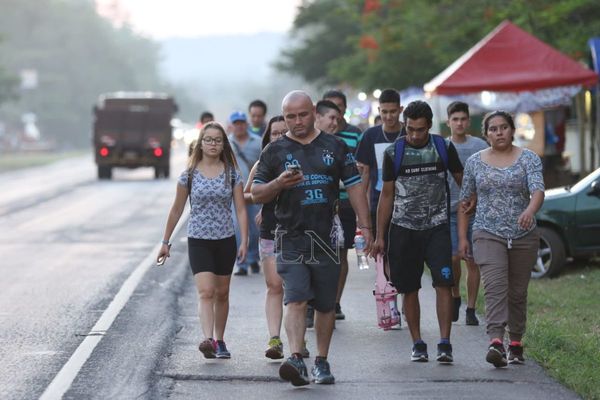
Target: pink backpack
385,299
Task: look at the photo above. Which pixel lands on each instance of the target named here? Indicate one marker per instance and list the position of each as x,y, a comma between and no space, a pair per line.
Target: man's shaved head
299,113
295,96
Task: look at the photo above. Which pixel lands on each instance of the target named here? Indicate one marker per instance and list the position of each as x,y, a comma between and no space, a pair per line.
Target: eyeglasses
276,134
210,140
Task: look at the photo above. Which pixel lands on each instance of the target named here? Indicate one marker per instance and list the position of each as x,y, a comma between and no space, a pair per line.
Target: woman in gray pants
508,184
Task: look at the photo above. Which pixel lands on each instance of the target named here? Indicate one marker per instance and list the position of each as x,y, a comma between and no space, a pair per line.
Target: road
72,248
68,242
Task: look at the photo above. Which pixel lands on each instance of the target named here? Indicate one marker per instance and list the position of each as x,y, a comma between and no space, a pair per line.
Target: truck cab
133,130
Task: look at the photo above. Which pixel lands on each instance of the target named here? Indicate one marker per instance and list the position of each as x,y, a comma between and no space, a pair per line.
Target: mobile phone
294,168
161,261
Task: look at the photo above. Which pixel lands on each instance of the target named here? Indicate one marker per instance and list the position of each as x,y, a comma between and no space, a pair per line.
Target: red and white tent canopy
510,60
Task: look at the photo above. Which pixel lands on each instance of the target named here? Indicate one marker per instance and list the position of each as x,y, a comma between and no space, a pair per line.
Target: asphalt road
69,246
67,243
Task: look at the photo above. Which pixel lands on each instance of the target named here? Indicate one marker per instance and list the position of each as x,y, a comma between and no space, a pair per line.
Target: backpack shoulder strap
190,177
398,155
440,146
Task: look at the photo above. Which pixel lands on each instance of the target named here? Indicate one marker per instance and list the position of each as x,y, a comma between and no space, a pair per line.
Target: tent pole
580,102
596,142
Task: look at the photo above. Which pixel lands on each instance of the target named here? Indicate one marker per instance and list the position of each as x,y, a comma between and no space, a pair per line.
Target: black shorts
348,220
409,249
216,256
312,278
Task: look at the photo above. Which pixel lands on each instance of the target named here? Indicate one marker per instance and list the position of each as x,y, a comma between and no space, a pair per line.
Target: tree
398,43
78,55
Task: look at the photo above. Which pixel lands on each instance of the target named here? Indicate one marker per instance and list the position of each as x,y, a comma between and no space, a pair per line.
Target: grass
14,161
563,327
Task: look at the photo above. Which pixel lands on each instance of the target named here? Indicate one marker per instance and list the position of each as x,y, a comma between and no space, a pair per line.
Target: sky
161,19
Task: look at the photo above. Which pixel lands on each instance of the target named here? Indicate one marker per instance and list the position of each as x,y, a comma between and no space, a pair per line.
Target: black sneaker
321,373
294,370
241,272
456,309
471,318
419,353
515,355
310,317
496,355
338,312
222,351
444,354
255,268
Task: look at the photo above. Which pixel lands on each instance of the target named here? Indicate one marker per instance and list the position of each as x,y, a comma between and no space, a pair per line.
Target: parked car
569,225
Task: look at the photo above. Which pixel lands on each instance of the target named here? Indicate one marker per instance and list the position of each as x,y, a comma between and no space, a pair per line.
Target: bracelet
365,227
166,242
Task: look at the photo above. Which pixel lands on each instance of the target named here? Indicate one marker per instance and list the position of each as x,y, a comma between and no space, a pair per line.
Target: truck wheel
104,172
166,172
551,254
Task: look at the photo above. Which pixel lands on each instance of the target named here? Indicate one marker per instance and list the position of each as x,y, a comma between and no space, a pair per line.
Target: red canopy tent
510,60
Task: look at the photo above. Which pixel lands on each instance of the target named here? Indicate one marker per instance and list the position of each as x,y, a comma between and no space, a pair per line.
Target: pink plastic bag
385,299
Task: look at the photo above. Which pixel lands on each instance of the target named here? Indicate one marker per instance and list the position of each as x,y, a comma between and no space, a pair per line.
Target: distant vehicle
133,130
569,225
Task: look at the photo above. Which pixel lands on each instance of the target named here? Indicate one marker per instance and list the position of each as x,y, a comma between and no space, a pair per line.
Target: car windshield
585,182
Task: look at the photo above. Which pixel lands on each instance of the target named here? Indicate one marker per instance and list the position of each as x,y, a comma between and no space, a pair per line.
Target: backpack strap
440,145
190,177
398,154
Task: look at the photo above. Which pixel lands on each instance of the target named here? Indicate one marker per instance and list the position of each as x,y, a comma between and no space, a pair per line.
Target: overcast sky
169,18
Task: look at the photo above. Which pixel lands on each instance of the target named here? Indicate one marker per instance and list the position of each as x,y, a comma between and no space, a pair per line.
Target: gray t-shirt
250,153
502,193
465,150
211,198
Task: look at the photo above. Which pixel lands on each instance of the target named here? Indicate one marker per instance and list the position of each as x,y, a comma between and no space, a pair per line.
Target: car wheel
551,254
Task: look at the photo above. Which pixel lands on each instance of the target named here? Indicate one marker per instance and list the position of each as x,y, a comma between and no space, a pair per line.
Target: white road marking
65,377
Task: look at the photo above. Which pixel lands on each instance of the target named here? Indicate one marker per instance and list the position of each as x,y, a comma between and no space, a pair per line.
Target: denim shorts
454,233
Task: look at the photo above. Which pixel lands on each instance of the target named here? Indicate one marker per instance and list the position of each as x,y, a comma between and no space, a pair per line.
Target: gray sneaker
321,372
294,370
419,353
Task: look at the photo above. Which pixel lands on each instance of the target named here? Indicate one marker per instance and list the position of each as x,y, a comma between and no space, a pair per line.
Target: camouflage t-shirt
421,191
309,205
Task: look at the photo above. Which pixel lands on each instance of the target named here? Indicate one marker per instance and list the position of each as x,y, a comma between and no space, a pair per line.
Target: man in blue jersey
302,172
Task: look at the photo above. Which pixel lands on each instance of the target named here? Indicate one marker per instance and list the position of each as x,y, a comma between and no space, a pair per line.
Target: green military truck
133,130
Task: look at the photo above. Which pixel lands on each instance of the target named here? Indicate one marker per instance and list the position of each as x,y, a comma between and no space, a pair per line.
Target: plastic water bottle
359,246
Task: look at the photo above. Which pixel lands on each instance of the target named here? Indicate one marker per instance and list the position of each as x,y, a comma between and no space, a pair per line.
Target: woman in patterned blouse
211,183
508,184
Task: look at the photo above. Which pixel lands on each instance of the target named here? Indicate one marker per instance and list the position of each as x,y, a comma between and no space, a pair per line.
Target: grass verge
11,162
563,327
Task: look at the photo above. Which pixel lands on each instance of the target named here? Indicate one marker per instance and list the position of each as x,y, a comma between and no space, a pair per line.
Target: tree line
77,55
371,44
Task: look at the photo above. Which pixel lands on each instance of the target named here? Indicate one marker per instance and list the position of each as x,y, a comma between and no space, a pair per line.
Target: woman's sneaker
496,354
515,353
294,370
222,351
208,348
275,349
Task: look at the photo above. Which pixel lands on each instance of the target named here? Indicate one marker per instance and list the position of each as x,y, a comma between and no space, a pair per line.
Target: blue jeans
253,234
